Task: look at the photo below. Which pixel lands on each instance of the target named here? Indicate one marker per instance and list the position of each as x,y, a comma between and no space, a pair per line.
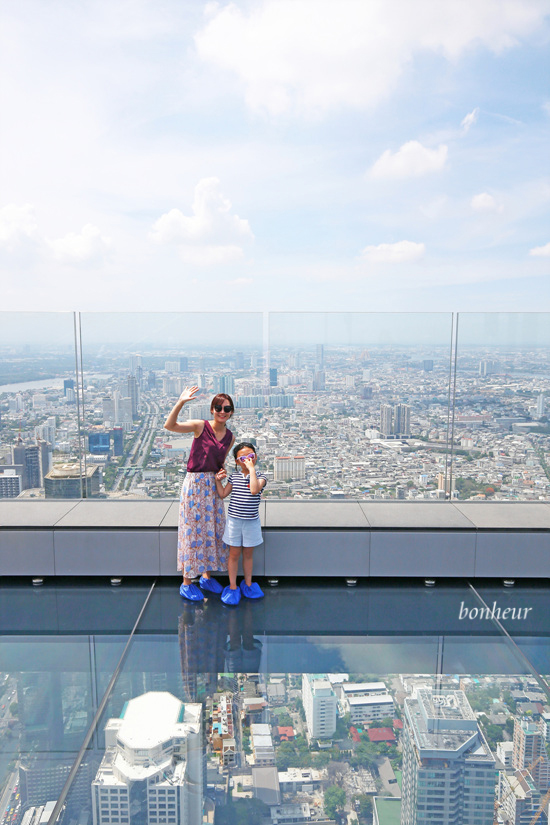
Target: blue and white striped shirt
242,503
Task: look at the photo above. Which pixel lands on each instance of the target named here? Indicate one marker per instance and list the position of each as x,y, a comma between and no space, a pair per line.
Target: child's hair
242,444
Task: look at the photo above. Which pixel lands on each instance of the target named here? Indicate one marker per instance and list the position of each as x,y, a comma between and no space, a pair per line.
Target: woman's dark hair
242,444
219,399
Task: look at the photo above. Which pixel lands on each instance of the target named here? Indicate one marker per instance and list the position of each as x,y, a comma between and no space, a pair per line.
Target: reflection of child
242,529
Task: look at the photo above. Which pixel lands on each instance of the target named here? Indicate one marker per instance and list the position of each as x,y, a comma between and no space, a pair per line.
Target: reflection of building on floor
446,761
518,798
320,704
152,770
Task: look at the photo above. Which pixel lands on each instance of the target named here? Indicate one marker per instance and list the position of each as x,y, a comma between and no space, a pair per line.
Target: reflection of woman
202,517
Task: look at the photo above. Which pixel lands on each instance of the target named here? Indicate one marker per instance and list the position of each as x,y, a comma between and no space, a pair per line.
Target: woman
201,548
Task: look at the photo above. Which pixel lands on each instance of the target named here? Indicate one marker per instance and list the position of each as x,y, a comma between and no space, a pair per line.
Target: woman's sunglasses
219,408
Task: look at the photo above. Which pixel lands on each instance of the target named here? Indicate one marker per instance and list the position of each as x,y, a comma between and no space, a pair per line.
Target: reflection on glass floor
384,704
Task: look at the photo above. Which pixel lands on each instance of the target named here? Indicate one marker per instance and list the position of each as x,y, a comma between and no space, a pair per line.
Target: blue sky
275,155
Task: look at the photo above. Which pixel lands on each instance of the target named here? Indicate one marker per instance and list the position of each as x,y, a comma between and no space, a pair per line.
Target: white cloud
85,247
546,107
211,235
412,160
540,251
241,282
485,203
310,56
211,255
394,253
470,120
18,226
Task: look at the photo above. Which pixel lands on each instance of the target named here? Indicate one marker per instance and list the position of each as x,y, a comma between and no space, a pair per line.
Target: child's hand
249,464
221,474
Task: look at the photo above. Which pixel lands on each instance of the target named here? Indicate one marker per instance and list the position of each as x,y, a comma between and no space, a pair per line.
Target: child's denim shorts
243,532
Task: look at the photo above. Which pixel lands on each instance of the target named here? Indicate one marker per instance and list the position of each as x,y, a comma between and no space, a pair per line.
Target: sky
275,155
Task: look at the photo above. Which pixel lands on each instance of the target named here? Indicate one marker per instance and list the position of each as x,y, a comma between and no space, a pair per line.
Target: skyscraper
273,376
133,394
320,356
224,383
448,767
35,460
152,770
386,413
402,420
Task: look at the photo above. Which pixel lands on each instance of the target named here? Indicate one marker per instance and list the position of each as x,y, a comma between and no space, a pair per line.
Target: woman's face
223,412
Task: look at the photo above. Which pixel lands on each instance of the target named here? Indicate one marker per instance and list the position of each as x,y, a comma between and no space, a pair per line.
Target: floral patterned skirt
201,526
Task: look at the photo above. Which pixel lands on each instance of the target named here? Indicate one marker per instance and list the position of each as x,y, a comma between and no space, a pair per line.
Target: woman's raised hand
188,394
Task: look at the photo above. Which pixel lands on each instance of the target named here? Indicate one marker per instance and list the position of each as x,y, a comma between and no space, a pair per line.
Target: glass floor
381,703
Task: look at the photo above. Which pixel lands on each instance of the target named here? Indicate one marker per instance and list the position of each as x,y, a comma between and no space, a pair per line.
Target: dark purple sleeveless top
207,453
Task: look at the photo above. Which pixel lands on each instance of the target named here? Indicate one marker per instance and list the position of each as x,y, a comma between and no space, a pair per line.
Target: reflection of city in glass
366,422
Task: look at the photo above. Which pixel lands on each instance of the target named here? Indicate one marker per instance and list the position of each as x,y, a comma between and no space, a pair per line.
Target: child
242,529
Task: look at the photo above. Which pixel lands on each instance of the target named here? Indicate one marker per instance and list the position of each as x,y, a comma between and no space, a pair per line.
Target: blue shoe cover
191,592
252,592
231,597
211,585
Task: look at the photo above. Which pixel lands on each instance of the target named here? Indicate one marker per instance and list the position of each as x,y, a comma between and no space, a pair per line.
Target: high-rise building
224,383
280,400
152,770
132,392
320,704
518,799
47,431
151,380
273,376
402,420
68,384
239,361
366,392
135,363
99,443
42,778
540,405
448,768
117,434
427,365
530,751
386,413
319,381
320,356
35,461
172,366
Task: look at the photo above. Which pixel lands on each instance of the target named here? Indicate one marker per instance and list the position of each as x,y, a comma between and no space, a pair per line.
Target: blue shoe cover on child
211,585
191,592
231,597
252,592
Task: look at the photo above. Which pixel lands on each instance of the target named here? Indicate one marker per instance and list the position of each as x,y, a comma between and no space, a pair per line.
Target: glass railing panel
322,712
59,646
359,405
40,455
135,368
501,430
